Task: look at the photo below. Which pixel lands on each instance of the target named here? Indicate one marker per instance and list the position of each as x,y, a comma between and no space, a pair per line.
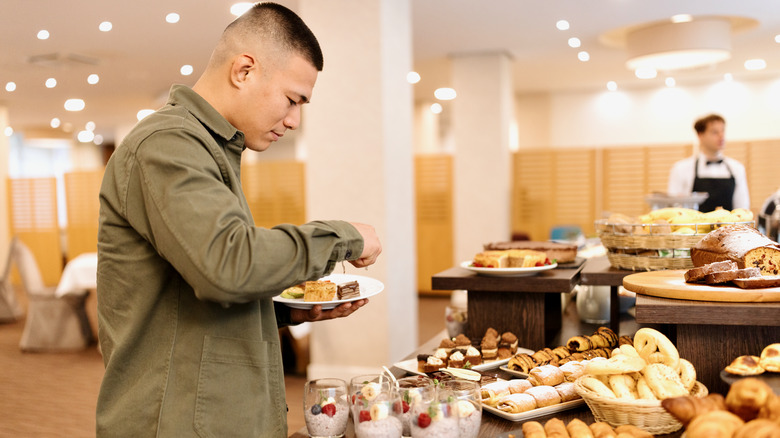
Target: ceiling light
681,18
55,123
105,26
413,77
583,56
43,34
755,64
777,38
10,86
574,42
186,70
645,73
93,79
239,8
85,136
143,113
445,93
173,17
9,131
728,77
74,105
51,83
436,108
562,25
670,82
98,139
90,126
612,86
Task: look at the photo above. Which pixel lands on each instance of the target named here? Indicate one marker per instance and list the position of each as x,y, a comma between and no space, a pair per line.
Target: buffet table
599,272
529,307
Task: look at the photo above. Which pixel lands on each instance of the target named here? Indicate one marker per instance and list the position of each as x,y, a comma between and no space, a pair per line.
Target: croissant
579,343
747,396
759,428
685,408
713,424
771,410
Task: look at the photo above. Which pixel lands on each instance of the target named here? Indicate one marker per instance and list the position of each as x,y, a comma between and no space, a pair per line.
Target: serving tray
671,284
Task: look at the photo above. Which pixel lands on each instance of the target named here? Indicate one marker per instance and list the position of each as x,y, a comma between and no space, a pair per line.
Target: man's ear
243,66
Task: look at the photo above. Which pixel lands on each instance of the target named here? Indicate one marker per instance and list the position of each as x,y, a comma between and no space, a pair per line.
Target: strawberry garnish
424,420
364,416
329,409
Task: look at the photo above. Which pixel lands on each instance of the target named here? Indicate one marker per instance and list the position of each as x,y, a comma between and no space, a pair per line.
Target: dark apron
721,190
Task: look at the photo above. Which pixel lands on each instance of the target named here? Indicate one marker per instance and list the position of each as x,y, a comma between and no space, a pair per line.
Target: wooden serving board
671,284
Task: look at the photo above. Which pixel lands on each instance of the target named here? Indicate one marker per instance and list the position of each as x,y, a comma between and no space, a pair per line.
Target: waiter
709,171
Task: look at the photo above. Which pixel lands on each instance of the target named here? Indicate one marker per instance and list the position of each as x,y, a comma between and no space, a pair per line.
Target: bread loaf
741,244
726,276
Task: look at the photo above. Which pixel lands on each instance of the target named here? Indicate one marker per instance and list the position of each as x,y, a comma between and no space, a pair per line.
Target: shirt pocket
240,389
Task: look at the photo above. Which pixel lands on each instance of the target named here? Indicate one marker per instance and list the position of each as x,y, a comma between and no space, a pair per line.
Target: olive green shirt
187,327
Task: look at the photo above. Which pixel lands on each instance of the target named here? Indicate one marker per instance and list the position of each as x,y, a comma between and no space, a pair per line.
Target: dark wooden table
529,307
711,334
597,271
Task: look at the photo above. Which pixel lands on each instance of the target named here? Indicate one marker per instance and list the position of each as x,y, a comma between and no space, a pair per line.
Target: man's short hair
282,26
701,125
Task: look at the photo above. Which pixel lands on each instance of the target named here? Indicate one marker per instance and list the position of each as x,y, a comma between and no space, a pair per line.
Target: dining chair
53,323
10,310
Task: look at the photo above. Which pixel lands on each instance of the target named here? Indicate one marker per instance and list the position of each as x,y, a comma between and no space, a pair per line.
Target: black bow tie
714,162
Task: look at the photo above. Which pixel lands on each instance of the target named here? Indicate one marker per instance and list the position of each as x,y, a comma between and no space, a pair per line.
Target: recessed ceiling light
43,34
105,26
777,38
90,126
86,136
186,70
562,25
574,42
239,8
74,105
645,73
755,64
93,79
55,123
9,131
173,17
612,86
445,93
98,139
681,18
10,86
583,56
413,77
728,77
436,108
670,82
51,83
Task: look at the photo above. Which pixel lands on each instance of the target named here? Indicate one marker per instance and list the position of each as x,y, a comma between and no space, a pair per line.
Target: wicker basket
648,415
652,247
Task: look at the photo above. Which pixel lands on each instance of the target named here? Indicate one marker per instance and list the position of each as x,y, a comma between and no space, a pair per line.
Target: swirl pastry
517,386
567,391
579,343
517,403
549,375
493,392
544,396
572,370
521,362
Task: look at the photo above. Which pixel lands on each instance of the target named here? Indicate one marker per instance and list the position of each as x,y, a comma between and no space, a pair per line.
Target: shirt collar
204,112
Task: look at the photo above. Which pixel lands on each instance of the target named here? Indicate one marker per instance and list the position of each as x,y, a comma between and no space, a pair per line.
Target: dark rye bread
741,244
698,274
757,282
726,276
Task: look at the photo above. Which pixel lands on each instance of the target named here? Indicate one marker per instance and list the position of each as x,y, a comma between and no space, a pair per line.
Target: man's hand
371,246
317,314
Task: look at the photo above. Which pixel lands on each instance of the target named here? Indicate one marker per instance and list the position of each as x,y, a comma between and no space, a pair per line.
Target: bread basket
652,247
648,415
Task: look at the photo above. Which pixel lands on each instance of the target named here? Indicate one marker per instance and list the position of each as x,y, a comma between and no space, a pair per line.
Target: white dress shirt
682,175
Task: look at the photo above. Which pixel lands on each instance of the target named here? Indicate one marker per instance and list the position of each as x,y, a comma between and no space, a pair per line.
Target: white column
481,123
357,134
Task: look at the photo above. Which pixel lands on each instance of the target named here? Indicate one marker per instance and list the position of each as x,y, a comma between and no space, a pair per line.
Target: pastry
687,407
456,359
516,403
491,259
542,357
602,430
687,374
348,290
489,348
503,352
578,429
758,428
554,427
647,341
624,386
521,362
432,364
493,392
619,364
593,384
526,258
473,357
533,429
579,343
510,339
572,370
462,341
745,366
517,386
770,358
561,352
319,291
549,375
421,360
625,340
447,344
741,244
747,396
697,274
713,424
771,410
561,252
544,395
664,381
491,333
726,276
567,391
609,334
643,390
632,431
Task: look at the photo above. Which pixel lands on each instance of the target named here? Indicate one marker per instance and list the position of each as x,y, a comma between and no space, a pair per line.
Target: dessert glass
325,407
411,389
376,410
468,394
436,417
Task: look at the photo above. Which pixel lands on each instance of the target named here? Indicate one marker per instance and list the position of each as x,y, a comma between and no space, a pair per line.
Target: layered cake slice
348,290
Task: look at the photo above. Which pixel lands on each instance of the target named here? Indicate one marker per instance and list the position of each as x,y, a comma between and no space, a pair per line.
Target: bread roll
758,428
664,381
618,364
597,386
623,386
578,429
602,430
533,429
687,374
633,431
544,396
647,341
572,370
555,428
643,390
747,396
745,366
770,358
771,410
516,403
714,424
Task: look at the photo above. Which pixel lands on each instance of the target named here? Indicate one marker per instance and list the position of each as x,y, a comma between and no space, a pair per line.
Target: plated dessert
459,352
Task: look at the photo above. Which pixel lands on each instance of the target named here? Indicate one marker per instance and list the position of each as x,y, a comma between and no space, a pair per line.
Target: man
187,325
709,171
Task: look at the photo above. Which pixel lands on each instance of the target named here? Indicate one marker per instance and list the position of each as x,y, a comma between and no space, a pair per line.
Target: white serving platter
507,272
368,288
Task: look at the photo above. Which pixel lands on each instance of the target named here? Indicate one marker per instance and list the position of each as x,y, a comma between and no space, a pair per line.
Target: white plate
410,365
368,288
513,372
533,413
507,272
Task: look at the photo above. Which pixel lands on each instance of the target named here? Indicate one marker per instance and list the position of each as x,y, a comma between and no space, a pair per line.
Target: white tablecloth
79,275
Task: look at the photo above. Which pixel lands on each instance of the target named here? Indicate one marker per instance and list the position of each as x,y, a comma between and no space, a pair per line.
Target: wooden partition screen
82,189
275,192
434,202
32,210
763,158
